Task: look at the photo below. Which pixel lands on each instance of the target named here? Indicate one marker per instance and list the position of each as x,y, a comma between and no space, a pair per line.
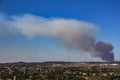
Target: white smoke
76,34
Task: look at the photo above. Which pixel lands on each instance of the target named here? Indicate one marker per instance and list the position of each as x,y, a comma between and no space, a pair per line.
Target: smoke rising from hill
75,34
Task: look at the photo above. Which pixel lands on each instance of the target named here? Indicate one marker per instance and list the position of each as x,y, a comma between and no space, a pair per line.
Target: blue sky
103,13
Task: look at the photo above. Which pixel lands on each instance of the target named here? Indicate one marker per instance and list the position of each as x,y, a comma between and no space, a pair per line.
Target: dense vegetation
37,72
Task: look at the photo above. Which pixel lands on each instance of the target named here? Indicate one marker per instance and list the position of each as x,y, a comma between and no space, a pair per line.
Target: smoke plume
105,51
75,34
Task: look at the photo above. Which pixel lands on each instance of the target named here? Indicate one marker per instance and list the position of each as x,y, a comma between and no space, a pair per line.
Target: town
60,71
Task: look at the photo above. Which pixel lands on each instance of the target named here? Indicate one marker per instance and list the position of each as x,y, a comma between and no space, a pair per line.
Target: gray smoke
105,51
73,33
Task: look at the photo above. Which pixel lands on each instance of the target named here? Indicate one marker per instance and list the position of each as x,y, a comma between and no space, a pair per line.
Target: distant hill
47,63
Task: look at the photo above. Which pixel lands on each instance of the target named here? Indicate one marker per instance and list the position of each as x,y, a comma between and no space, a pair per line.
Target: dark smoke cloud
105,51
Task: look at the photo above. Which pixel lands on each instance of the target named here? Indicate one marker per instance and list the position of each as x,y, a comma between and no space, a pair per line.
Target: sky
57,30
